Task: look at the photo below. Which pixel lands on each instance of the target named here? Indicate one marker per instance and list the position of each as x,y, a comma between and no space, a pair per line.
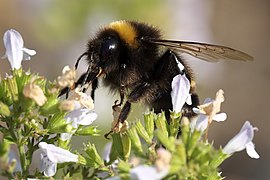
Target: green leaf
218,159
4,148
51,105
4,110
57,123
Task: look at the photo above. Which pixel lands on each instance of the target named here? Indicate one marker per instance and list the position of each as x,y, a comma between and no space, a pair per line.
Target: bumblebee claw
116,105
107,134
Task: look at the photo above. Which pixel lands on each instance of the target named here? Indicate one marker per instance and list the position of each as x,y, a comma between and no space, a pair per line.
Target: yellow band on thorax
126,32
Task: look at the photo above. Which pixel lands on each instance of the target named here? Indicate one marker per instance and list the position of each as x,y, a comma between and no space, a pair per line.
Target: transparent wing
204,51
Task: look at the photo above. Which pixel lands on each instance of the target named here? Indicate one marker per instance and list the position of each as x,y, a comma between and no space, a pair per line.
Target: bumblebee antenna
88,72
79,59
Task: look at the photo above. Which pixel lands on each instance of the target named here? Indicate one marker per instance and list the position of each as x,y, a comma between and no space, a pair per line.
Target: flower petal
189,100
27,53
220,117
57,154
50,170
180,91
180,66
65,136
88,119
239,141
36,162
13,34
208,100
143,172
202,123
13,43
107,151
196,110
250,148
30,52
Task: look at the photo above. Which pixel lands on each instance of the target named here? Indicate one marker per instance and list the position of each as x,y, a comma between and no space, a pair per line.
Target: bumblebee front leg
66,90
124,112
122,95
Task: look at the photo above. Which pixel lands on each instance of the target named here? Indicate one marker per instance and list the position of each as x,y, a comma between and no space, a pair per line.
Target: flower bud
149,124
163,159
12,88
166,141
67,105
87,130
174,123
185,129
135,140
91,151
126,146
142,132
161,122
179,159
68,77
192,142
34,92
117,145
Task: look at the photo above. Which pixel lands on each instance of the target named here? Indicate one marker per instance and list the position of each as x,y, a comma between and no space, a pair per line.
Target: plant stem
22,152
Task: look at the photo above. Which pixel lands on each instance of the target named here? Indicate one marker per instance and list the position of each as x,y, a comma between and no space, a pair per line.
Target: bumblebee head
118,44
105,50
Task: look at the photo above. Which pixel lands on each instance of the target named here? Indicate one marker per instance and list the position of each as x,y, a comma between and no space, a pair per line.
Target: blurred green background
59,30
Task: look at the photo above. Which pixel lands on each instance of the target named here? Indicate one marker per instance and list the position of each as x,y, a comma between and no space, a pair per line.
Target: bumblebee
135,61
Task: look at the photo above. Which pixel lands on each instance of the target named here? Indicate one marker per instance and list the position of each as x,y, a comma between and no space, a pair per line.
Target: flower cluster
38,127
35,123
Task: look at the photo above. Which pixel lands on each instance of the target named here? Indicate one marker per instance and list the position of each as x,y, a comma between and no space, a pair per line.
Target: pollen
126,32
192,83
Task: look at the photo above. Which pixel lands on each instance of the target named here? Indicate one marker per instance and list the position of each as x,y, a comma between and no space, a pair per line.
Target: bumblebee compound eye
108,48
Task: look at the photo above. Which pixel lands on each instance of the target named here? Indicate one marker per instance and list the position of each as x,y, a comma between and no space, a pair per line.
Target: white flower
243,140
15,52
48,156
208,112
202,121
144,172
79,116
180,92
